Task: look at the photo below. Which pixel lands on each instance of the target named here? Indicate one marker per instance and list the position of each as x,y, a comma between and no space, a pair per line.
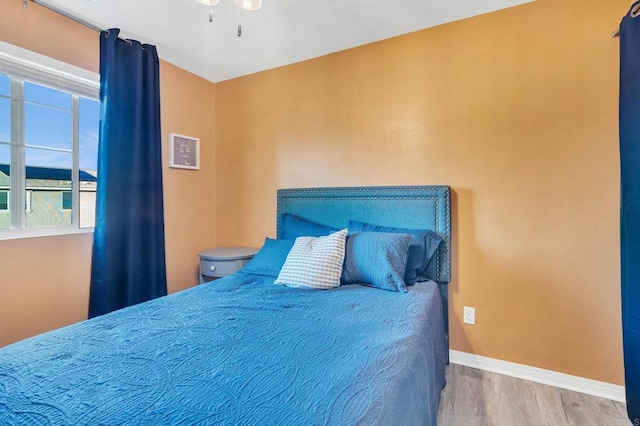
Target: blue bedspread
239,350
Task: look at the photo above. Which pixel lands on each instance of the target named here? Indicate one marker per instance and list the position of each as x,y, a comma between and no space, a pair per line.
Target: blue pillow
269,260
295,226
422,248
377,259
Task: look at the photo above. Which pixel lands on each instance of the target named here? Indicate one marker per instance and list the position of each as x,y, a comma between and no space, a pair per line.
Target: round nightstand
223,261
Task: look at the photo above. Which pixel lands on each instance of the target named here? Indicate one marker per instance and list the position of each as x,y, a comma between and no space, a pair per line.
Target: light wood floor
476,397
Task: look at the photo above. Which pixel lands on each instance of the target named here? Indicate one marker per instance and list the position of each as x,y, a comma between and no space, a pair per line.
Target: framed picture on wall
184,152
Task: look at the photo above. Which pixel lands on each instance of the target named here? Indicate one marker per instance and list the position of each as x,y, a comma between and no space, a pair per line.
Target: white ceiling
280,33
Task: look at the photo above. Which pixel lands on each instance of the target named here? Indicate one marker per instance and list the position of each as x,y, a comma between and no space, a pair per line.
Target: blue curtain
630,206
128,263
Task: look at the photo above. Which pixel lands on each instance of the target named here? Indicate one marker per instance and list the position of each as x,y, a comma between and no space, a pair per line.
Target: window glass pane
48,176
89,120
5,119
67,200
48,127
5,156
5,214
4,200
51,161
5,185
46,95
87,208
5,85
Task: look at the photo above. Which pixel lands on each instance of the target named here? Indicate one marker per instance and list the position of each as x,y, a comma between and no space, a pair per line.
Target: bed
241,350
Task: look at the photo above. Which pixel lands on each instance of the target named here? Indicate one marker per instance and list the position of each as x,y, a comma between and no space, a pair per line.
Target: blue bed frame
417,207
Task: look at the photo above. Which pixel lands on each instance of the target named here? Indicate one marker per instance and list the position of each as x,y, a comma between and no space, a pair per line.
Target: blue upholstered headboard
417,207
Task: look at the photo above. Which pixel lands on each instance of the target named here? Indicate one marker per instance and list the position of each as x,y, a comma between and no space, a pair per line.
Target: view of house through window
4,200
48,156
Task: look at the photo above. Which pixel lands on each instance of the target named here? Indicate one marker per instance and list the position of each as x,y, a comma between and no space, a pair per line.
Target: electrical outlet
469,315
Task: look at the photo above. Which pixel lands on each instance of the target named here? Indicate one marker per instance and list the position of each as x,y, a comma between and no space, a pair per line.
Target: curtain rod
66,13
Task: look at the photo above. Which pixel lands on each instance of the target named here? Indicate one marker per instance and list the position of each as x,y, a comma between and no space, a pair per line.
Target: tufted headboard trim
417,207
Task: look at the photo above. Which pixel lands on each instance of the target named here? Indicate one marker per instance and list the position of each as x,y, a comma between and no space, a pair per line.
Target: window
4,200
49,118
67,200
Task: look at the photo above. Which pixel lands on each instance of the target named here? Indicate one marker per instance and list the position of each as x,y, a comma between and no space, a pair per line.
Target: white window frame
22,64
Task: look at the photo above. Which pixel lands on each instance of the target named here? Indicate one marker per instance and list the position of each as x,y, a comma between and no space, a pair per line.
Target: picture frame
184,152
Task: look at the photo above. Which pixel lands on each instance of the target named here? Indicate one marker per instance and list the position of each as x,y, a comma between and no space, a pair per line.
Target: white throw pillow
314,262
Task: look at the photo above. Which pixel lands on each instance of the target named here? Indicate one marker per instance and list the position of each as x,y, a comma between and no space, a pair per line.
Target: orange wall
517,111
44,282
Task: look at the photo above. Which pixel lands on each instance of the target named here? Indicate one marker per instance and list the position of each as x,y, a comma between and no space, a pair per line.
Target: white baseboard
539,375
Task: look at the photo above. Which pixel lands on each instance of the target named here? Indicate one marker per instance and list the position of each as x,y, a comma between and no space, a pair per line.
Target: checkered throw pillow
314,262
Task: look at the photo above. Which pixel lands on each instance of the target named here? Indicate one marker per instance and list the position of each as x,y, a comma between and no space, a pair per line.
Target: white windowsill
15,234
